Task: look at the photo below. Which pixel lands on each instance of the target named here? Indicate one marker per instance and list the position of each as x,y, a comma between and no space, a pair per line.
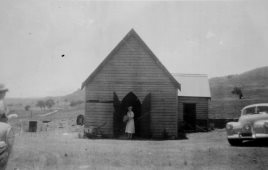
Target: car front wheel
235,142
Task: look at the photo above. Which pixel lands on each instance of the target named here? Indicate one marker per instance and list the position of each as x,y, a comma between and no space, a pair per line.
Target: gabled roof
193,85
131,33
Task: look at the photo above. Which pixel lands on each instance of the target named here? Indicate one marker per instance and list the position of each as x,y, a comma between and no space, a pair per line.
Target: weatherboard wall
202,109
132,69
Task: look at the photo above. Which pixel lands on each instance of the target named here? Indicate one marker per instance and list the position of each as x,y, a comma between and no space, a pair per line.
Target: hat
3,88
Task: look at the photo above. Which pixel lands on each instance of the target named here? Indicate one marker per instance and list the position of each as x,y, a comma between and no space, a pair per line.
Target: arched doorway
141,112
121,109
132,100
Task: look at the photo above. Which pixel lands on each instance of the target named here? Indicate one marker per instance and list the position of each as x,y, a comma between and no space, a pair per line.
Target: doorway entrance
132,100
142,116
189,116
121,109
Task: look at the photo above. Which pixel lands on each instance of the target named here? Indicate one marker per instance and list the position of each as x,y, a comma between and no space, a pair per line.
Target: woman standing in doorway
130,127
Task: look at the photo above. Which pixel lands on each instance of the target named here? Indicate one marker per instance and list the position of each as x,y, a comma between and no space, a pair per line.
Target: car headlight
229,127
265,125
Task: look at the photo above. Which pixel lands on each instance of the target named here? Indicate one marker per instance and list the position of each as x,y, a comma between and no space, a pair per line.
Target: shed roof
193,85
132,33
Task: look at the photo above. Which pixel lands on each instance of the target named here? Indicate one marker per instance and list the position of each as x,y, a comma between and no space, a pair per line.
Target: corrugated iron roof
193,85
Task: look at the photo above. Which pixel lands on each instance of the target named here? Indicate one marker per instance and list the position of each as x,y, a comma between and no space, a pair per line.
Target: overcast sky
211,37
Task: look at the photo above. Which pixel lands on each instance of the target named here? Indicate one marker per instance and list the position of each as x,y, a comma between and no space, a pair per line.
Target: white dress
130,127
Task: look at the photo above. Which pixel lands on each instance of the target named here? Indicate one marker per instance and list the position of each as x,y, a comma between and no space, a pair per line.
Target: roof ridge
133,33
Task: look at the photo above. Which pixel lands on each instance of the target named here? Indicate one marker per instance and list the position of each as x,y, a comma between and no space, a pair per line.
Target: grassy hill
77,95
224,104
254,85
69,105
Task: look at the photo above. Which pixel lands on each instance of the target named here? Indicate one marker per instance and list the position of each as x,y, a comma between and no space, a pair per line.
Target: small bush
27,107
80,120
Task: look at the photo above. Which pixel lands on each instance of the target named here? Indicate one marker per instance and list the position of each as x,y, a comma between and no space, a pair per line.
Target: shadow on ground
256,143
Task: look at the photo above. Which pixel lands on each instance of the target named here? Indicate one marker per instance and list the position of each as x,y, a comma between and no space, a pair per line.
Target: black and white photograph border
133,85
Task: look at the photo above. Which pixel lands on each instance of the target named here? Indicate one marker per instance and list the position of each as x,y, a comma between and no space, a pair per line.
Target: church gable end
131,59
131,68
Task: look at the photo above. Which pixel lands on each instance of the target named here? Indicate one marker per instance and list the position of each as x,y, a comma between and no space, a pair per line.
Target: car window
263,109
249,111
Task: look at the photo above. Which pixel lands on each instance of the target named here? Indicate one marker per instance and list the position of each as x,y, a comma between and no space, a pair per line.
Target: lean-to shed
193,101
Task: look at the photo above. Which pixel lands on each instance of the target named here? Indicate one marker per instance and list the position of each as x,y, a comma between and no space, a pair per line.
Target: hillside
70,104
254,85
75,96
224,104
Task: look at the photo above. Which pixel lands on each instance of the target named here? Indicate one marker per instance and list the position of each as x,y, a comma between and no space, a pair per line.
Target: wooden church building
131,75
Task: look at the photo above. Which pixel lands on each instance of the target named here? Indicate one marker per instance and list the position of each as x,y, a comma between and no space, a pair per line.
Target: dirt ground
62,149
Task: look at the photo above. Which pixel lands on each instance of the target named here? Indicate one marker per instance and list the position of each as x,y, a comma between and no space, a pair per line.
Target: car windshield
255,110
249,111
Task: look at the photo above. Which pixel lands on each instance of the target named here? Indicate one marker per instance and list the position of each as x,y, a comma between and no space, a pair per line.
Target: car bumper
254,136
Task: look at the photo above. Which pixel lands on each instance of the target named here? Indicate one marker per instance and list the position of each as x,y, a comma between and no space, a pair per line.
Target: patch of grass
61,149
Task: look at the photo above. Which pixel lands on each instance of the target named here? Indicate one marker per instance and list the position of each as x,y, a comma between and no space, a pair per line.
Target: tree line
43,104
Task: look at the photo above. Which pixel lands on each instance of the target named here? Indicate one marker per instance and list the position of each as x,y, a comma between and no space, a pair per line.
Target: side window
263,109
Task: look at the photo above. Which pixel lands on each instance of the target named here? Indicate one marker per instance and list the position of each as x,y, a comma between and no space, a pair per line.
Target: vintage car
252,125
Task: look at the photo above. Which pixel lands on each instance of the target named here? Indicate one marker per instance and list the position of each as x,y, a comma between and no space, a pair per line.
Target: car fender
235,125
